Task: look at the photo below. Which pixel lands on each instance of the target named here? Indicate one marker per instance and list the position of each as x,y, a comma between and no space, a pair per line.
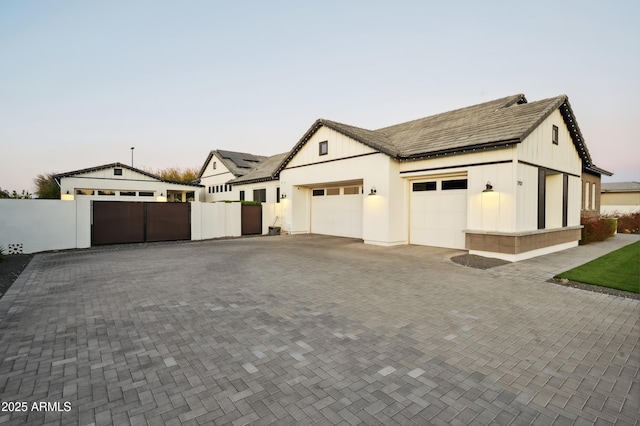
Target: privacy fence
30,226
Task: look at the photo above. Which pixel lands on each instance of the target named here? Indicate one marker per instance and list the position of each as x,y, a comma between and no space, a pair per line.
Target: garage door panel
438,218
339,215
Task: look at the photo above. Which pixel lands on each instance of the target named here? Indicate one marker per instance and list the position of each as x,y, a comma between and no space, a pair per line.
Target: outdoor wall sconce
489,187
373,191
283,196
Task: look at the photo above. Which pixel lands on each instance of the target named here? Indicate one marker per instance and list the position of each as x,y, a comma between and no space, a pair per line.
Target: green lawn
619,269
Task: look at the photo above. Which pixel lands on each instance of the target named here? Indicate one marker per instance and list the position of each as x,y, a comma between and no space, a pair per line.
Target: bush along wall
597,229
629,223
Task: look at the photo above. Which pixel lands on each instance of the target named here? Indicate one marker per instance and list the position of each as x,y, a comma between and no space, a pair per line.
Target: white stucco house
221,167
119,182
500,179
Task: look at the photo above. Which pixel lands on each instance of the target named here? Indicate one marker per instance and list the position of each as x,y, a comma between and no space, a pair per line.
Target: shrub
597,229
629,223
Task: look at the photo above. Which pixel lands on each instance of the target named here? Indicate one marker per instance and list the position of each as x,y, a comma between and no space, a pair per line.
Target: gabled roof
238,163
265,171
122,166
490,125
620,187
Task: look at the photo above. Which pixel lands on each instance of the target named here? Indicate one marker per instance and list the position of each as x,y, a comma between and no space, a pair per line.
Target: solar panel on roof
240,159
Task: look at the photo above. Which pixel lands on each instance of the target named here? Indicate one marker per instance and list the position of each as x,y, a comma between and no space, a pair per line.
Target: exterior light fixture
373,191
489,187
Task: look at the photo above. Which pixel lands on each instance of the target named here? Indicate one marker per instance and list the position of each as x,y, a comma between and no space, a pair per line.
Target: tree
46,186
4,193
24,195
177,174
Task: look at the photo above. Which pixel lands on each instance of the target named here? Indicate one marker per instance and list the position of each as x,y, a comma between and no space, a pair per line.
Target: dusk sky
81,82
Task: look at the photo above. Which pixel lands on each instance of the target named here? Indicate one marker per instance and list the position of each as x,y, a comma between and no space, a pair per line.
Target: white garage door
337,211
438,212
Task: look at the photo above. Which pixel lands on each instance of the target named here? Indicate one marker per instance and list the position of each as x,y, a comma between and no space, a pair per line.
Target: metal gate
251,218
115,222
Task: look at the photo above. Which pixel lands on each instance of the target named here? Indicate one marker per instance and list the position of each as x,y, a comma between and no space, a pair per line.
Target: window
214,165
146,193
318,192
323,148
260,195
84,192
587,192
424,186
454,184
351,190
106,192
554,134
277,194
127,193
117,172
333,191
241,195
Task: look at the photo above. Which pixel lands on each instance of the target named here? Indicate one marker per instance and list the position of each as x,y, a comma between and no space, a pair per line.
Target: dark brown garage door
168,221
117,222
251,217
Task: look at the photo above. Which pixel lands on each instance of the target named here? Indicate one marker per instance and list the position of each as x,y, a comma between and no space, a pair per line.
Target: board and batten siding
538,148
219,176
339,146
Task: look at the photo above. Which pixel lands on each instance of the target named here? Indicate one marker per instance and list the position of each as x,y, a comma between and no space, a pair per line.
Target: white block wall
41,225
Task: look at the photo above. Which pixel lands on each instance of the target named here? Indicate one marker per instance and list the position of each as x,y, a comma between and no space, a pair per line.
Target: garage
438,212
337,210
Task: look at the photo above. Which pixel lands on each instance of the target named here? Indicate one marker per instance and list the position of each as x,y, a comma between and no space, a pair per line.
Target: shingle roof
123,166
263,172
492,124
620,187
238,163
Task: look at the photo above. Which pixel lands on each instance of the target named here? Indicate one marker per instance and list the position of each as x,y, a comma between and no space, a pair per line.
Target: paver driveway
309,329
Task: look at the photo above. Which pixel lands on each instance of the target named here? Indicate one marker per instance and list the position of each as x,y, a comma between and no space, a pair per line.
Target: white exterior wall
538,149
527,198
271,216
271,187
213,177
494,211
41,225
340,146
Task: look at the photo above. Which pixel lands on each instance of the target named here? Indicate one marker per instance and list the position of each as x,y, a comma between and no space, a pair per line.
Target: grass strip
619,269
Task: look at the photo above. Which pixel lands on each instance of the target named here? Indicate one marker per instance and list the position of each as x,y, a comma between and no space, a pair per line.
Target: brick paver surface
311,330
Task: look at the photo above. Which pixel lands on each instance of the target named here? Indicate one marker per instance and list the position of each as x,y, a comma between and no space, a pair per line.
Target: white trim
525,255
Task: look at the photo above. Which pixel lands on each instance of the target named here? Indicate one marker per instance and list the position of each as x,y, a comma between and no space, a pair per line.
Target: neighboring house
620,197
119,182
501,179
260,184
219,168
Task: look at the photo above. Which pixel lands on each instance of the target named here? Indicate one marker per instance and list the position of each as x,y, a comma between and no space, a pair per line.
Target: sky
83,82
